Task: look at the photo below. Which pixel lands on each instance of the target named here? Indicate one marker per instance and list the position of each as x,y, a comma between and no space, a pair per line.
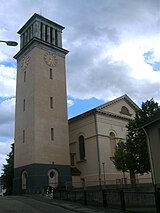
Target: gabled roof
100,108
125,97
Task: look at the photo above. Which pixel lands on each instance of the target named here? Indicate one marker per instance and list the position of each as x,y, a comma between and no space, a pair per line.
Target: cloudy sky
114,50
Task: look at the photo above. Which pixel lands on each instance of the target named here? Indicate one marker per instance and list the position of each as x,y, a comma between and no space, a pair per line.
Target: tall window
112,138
23,136
51,73
52,134
46,35
51,34
51,102
24,105
81,147
41,30
56,37
24,76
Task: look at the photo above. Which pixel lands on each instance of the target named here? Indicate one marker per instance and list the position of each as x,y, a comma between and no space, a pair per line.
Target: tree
120,156
8,172
132,155
136,143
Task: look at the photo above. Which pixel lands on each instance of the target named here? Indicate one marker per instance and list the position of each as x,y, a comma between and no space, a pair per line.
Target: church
92,138
51,150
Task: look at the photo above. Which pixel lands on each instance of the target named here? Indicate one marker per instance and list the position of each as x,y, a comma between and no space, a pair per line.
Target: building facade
93,137
41,123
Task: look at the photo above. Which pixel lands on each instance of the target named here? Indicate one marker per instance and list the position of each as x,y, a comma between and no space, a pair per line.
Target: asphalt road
20,204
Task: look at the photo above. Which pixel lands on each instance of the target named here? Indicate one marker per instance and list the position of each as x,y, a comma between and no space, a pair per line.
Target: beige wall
39,118
106,125
92,169
24,152
85,127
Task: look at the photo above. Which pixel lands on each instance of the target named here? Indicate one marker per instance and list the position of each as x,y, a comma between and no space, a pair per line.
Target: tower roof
40,30
37,17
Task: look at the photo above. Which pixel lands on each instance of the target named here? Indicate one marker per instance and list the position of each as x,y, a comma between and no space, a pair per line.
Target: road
20,204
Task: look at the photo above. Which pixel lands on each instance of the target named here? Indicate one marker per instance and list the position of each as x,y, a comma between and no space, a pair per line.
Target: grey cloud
108,78
7,88
111,79
7,130
114,24
7,109
5,147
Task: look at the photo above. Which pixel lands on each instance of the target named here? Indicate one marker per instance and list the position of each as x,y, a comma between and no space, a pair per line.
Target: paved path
21,204
76,207
40,204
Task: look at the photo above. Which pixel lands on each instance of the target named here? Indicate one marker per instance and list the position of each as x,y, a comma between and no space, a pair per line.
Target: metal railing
123,199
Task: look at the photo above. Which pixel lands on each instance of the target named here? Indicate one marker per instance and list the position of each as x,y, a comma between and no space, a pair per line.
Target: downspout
150,155
98,154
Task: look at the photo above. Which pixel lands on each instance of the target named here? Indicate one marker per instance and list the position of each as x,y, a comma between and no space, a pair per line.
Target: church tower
41,126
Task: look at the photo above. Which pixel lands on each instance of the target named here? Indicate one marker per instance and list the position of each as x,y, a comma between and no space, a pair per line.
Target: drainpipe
150,155
98,154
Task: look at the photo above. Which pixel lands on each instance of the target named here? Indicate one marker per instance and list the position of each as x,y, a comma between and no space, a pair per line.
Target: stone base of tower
34,178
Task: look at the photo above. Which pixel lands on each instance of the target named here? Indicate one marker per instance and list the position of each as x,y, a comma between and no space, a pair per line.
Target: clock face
25,61
50,59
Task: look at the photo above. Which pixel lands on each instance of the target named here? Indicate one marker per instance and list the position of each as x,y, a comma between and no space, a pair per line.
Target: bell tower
41,125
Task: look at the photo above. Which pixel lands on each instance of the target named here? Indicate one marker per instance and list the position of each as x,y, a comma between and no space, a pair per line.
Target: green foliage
136,143
8,172
120,156
132,156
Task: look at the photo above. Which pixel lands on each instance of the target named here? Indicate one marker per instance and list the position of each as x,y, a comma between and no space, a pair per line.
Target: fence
108,198
117,182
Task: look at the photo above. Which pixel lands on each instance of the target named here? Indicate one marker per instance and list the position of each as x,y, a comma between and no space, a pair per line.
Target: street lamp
10,43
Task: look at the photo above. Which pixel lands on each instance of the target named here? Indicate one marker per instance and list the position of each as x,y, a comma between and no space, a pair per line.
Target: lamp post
10,43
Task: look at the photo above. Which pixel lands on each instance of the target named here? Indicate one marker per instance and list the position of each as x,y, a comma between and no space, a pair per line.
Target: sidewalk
77,207
73,206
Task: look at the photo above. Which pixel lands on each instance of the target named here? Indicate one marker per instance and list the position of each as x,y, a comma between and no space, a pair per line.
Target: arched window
24,180
112,139
53,178
124,110
81,147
